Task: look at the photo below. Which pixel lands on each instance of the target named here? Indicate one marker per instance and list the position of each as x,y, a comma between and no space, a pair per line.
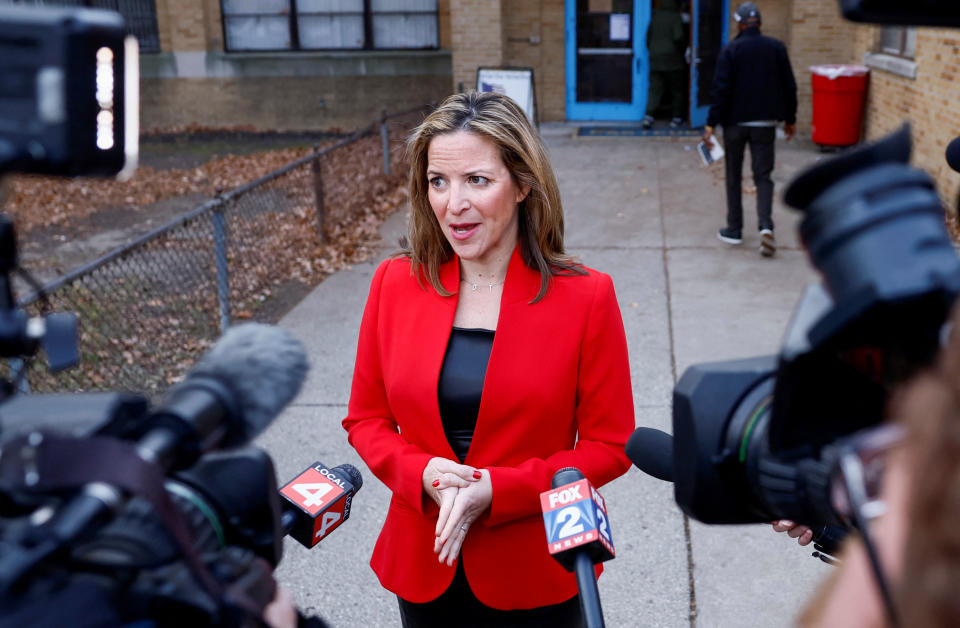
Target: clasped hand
463,494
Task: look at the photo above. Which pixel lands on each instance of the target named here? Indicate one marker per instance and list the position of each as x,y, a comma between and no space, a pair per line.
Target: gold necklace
474,286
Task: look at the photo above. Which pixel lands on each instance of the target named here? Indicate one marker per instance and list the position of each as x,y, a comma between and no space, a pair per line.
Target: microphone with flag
578,534
320,499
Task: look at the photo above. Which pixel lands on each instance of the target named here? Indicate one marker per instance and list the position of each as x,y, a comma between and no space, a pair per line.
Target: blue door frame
641,67
610,111
698,115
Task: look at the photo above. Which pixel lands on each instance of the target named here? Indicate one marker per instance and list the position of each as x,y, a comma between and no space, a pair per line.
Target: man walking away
753,89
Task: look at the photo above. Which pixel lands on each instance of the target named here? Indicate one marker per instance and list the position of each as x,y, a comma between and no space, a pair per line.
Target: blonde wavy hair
500,120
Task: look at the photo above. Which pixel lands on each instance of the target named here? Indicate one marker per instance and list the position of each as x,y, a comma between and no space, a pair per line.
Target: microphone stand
589,594
582,562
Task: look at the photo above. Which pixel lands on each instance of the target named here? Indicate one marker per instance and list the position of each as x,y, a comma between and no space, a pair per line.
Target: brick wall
443,24
521,22
214,25
301,103
551,75
193,82
164,25
929,101
477,34
534,37
818,35
184,26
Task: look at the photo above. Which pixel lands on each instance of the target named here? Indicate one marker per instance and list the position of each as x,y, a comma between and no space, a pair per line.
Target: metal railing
149,309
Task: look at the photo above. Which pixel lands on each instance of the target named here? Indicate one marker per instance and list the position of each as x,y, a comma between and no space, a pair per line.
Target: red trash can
839,94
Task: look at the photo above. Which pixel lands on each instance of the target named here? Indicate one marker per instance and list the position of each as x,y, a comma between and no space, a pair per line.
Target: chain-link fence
149,309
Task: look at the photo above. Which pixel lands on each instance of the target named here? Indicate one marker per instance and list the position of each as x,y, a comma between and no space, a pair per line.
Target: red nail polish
477,474
436,482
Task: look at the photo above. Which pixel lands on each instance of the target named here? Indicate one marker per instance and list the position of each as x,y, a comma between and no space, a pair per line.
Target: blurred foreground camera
69,92
755,435
113,512
760,439
899,13
161,514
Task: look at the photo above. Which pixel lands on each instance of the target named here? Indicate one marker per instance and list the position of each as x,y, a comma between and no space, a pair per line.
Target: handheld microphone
651,451
229,397
953,154
578,534
321,499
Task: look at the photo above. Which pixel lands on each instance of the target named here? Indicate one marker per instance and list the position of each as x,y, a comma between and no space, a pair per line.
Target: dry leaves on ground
40,201
275,238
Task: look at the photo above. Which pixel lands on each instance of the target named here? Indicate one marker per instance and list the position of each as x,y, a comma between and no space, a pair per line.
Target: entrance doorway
608,60
710,28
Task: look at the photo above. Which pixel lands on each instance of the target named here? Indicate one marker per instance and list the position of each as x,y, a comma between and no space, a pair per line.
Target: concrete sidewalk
646,213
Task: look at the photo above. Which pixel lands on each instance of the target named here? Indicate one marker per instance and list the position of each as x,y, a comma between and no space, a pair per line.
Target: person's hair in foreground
500,120
919,540
927,591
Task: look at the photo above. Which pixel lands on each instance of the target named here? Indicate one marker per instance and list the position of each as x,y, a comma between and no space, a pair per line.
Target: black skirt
459,607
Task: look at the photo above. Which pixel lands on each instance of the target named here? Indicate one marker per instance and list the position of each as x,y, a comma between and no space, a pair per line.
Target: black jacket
753,80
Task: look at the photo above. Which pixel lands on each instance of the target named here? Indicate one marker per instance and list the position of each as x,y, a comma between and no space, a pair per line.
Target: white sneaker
768,245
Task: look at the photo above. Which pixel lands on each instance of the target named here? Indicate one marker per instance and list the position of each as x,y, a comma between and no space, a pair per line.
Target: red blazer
556,394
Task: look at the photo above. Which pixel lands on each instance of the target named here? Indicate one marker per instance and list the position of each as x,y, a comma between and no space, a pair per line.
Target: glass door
607,69
710,25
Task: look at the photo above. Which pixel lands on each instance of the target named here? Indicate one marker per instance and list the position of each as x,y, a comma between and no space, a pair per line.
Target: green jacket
666,40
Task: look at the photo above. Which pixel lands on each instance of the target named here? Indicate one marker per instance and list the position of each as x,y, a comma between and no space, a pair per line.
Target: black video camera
111,512
122,513
761,439
758,438
69,92
91,532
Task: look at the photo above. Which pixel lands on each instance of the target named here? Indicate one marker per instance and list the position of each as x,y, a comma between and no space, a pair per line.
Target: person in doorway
667,41
753,89
488,359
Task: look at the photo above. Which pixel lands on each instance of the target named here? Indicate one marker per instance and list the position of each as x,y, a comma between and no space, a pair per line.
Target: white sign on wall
619,27
517,83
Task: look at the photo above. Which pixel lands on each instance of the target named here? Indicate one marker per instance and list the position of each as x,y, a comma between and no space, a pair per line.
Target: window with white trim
899,41
329,24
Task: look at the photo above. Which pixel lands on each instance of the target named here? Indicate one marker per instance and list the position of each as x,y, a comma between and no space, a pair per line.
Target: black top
753,81
461,385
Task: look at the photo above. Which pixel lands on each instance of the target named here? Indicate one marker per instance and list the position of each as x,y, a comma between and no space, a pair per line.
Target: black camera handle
8,261
827,541
44,462
20,337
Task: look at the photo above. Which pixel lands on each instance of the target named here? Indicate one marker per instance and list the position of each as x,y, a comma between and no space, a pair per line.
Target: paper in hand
710,155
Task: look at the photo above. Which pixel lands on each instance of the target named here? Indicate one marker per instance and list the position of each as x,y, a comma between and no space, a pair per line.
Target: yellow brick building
256,63
300,64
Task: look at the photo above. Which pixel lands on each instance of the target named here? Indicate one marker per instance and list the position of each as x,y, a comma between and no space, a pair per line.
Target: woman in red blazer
488,359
